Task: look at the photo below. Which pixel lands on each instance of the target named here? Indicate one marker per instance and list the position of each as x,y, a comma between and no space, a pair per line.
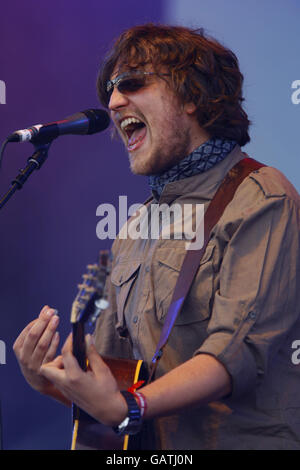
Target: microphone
89,121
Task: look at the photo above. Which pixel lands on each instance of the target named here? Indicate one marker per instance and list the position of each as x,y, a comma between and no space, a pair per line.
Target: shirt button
135,319
252,315
147,269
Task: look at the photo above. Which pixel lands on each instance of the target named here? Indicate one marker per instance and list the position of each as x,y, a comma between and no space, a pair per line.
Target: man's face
154,127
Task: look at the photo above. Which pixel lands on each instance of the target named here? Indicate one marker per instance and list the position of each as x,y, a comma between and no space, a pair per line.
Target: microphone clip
33,163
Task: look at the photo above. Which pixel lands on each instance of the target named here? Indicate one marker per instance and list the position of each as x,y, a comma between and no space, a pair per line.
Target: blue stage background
49,57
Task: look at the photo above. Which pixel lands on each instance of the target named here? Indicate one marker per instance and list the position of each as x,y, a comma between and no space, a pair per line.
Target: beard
167,149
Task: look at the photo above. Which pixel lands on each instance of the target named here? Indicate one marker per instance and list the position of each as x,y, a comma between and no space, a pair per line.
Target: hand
36,345
95,390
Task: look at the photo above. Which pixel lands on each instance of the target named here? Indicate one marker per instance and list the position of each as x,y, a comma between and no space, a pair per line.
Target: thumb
89,340
94,358
90,347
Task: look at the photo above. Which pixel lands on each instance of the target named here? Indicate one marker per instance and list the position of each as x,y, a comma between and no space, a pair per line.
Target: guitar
90,301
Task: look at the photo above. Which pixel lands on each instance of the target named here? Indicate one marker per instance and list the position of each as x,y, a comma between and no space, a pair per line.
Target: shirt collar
200,186
203,158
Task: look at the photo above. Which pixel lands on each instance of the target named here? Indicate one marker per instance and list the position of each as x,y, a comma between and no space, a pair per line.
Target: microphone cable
2,151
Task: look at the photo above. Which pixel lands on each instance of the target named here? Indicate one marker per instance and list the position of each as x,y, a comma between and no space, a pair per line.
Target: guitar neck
79,348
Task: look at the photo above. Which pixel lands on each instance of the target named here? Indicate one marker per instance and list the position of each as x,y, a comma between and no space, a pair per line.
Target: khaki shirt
243,309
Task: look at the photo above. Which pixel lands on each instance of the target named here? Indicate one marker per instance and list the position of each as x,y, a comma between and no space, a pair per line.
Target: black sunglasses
128,82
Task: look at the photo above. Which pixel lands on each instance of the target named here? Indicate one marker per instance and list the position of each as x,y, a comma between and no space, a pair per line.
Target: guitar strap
190,265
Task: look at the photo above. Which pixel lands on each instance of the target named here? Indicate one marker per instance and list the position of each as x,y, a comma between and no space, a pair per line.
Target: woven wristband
142,402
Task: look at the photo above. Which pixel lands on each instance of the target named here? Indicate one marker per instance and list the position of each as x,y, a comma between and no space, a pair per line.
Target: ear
190,107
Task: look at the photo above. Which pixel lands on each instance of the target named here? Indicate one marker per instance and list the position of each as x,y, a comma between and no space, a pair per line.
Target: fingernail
51,312
54,320
90,339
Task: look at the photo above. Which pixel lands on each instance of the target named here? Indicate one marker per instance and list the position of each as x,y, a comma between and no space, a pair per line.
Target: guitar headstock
91,296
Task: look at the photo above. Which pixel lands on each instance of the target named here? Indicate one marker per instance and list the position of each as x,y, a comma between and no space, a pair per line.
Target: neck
204,157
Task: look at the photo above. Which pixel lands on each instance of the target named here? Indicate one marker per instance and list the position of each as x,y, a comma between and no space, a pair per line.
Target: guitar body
87,432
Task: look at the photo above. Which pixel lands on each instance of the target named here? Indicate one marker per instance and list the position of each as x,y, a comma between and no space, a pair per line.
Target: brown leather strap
192,259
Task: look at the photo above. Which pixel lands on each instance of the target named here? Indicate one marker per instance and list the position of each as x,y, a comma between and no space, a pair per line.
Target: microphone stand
33,163
1,439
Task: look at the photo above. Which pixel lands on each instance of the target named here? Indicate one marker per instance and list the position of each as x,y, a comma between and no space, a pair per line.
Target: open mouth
135,131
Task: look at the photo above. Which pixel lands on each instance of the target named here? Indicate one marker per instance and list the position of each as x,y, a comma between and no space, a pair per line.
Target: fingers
20,339
18,344
38,342
57,362
94,390
64,371
39,337
51,353
54,371
96,363
89,340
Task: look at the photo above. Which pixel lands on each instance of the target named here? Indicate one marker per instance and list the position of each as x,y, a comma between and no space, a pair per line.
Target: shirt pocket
197,305
123,277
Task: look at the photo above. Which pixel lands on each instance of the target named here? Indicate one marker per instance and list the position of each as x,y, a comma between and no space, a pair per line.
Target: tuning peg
84,298
88,276
86,288
91,267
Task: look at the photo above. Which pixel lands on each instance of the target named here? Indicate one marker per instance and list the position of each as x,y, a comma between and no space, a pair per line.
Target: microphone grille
99,120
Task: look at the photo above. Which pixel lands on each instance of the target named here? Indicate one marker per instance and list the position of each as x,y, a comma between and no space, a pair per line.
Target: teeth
128,121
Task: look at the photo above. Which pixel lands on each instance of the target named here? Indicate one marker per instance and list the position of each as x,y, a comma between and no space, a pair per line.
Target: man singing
226,379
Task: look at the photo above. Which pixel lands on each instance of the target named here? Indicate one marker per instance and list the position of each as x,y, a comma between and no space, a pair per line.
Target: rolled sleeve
258,300
231,349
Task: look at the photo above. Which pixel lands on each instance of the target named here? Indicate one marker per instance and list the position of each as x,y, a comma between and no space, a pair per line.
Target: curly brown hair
202,71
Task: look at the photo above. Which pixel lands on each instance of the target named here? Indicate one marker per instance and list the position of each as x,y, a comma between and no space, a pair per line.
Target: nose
117,100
